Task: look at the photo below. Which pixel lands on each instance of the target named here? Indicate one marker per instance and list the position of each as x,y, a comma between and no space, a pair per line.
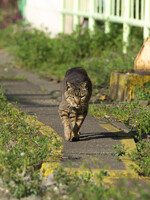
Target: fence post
75,17
126,27
21,7
63,16
146,19
107,8
91,11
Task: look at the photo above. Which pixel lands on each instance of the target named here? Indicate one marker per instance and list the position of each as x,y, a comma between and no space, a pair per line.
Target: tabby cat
76,93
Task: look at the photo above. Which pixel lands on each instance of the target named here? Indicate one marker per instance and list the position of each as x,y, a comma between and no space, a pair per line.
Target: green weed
141,157
119,150
74,185
119,111
143,93
10,77
23,151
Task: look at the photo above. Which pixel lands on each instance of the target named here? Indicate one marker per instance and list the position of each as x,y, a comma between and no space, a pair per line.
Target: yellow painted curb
129,145
53,163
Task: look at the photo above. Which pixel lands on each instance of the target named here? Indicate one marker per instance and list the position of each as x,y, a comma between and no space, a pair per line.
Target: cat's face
76,96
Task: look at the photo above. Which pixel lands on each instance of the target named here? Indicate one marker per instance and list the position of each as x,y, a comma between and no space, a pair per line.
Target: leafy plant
23,150
120,150
141,157
143,93
77,185
97,52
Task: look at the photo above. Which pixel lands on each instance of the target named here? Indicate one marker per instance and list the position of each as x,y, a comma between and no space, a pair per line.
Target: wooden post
107,8
126,27
146,19
91,12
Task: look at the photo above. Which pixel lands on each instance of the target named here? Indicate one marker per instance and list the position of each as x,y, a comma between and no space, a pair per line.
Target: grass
141,157
23,150
89,186
10,77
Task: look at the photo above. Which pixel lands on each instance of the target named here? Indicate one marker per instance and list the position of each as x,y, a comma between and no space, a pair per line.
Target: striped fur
76,93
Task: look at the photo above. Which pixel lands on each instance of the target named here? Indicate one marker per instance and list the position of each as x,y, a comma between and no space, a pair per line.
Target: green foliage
10,77
141,114
87,186
34,47
141,157
97,52
120,111
6,37
141,119
120,150
22,151
143,93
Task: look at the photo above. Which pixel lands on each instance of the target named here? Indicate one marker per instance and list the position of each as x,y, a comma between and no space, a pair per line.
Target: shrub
97,52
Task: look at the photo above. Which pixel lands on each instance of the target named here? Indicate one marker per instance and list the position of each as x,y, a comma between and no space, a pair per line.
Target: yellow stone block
122,85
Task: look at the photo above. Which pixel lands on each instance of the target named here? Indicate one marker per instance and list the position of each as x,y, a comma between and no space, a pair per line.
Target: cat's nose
77,101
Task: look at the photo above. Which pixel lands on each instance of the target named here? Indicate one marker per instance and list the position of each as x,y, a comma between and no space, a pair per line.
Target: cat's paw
67,133
74,137
67,136
79,133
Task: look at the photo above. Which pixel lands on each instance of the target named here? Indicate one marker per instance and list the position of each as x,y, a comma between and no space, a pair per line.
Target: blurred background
9,12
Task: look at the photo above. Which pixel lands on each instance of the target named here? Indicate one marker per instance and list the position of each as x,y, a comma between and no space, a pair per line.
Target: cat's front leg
67,131
65,121
74,133
79,120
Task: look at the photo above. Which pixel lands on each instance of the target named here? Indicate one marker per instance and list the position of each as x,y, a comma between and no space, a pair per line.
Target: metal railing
127,12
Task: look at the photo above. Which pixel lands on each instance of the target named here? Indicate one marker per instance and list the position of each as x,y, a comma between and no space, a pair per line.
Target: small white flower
56,189
22,154
5,69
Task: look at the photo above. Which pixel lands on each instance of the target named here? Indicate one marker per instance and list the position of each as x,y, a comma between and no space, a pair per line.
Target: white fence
127,12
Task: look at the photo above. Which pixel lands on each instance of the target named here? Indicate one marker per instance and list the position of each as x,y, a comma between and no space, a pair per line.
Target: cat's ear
69,85
84,85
